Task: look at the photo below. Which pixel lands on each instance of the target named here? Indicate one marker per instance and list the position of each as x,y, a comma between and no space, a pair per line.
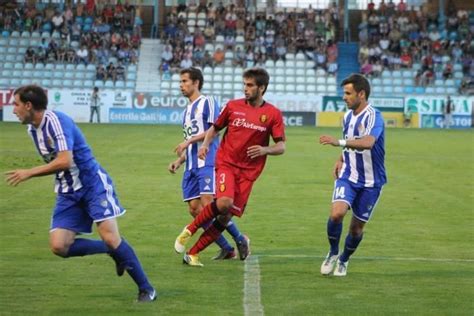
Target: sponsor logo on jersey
222,187
241,122
207,180
263,118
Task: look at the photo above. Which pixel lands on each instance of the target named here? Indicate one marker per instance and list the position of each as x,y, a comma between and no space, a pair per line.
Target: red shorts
230,184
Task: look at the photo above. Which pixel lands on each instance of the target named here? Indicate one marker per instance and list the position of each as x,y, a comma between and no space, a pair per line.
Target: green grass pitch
417,256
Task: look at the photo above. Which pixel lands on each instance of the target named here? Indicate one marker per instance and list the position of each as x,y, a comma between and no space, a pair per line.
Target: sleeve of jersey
278,128
375,125
62,134
223,118
211,110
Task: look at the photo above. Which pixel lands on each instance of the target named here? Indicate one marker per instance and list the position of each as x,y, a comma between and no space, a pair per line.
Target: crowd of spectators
393,37
92,33
243,38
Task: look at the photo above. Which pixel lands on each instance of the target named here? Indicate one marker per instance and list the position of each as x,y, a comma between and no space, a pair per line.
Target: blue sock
127,257
84,247
350,246
334,235
234,232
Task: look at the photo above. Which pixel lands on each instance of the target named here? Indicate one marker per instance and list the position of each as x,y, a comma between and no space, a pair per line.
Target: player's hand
337,169
180,148
328,140
172,167
14,177
202,153
256,151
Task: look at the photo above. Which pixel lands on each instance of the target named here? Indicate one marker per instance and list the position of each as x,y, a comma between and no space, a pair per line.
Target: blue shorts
360,199
96,201
198,181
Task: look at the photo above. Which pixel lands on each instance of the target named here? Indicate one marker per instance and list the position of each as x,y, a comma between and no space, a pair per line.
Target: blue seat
39,66
49,66
15,34
109,84
99,84
8,65
120,84
4,83
15,82
88,84
78,83
67,83
57,83
35,34
130,85
46,83
58,74
18,66
25,34
17,73
409,89
419,90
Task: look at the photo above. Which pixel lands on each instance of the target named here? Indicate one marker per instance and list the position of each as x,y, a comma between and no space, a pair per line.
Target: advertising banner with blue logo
155,108
432,108
388,104
438,121
146,116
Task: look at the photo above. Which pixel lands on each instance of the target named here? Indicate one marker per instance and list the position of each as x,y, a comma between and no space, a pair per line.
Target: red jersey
247,126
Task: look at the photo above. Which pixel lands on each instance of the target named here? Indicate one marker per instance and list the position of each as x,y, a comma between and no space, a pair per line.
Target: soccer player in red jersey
240,159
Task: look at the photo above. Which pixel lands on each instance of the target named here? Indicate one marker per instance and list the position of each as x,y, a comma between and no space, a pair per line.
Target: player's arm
173,166
276,149
210,134
182,146
63,161
337,167
365,142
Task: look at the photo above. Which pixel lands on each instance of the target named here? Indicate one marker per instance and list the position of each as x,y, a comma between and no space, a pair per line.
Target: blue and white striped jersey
58,132
198,117
364,167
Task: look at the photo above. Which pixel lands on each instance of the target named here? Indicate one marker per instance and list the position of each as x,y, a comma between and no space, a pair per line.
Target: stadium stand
68,44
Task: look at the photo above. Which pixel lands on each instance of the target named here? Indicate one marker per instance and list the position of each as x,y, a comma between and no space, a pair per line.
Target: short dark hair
194,74
260,75
33,94
359,82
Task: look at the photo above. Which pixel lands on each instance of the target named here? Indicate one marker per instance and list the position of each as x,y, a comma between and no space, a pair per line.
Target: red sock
208,237
208,213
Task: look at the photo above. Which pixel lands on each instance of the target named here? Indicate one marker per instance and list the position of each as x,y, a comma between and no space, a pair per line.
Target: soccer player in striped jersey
250,122
359,172
199,176
85,192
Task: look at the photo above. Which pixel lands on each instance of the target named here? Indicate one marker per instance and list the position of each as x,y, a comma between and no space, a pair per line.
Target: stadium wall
128,107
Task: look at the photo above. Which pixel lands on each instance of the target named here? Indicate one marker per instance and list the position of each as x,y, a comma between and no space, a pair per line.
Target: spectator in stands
58,21
377,69
120,72
207,59
186,63
366,68
100,73
40,55
406,59
239,58
448,71
218,57
111,74
82,55
30,56
281,51
167,54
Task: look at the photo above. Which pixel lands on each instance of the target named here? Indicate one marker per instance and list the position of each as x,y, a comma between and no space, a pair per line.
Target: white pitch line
252,304
375,258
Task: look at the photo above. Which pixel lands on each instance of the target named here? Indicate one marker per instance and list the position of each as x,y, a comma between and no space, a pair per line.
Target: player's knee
337,217
224,204
59,248
194,212
111,240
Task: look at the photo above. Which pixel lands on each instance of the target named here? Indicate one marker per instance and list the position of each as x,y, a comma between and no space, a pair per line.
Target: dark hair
194,74
260,75
33,94
359,82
